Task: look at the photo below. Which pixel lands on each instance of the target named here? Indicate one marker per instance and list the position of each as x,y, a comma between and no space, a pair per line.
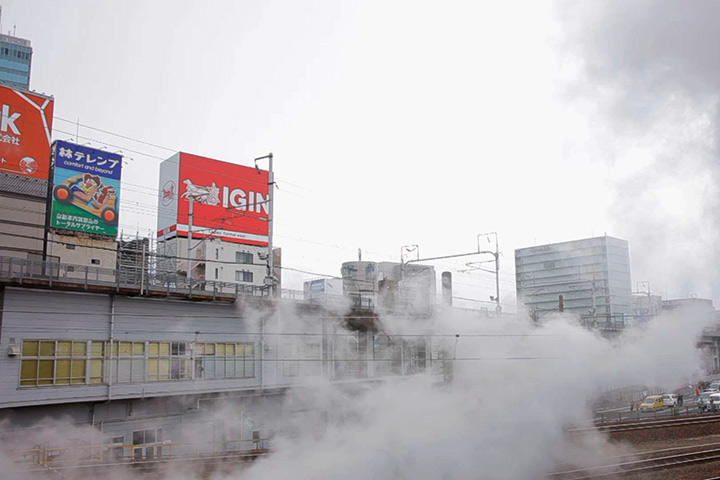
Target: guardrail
604,418
23,271
87,455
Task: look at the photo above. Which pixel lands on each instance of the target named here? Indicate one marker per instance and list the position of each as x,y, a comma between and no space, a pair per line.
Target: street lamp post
269,278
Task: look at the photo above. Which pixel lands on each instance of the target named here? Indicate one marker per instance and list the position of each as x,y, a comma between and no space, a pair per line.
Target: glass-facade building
592,275
15,61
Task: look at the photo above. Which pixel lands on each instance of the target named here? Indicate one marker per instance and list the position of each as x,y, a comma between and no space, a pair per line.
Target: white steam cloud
502,417
517,386
645,77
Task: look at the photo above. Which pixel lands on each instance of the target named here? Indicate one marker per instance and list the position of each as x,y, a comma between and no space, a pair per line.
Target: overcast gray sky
409,122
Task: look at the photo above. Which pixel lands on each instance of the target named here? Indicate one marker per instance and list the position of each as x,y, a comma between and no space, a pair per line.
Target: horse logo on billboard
206,195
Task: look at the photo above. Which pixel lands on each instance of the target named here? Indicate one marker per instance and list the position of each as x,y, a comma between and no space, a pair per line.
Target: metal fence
145,279
23,271
636,414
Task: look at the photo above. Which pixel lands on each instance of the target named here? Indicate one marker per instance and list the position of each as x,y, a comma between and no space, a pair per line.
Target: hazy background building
389,285
15,61
592,275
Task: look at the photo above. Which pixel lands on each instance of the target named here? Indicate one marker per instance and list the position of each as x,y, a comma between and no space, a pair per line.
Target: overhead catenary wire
114,134
157,255
222,262
143,142
148,155
103,328
140,204
143,208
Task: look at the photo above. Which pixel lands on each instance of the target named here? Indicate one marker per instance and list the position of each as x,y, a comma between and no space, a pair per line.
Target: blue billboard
86,189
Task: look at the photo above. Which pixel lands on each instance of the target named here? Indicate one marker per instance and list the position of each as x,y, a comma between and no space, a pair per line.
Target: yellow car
652,402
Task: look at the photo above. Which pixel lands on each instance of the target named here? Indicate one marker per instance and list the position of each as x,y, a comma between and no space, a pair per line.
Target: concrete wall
22,224
85,251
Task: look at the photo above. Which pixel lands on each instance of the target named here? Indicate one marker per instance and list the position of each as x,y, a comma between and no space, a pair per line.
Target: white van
670,399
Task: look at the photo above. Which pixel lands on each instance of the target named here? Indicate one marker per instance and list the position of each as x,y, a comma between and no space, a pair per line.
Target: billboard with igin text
230,201
86,189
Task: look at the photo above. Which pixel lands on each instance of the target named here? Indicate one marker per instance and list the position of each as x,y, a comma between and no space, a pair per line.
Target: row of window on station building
89,362
64,362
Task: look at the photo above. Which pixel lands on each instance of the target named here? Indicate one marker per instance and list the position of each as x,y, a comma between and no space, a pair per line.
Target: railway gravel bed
638,432
680,460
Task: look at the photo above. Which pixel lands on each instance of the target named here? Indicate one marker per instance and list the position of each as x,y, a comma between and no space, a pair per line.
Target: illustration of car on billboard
88,192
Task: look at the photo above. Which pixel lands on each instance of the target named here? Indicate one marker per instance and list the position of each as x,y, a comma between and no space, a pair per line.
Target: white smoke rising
503,416
644,77
517,386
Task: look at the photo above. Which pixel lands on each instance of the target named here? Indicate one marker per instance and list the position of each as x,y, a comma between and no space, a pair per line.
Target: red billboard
25,130
230,201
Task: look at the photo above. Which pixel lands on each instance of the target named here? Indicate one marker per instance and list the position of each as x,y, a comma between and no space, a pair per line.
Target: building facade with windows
140,377
214,260
15,61
592,275
390,285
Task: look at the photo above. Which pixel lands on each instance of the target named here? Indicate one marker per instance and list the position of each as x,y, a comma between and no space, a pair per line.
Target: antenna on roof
14,28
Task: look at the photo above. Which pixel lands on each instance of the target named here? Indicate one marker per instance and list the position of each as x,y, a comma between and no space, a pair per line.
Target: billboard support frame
48,205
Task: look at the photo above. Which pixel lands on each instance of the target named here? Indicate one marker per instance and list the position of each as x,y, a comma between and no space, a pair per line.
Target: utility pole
496,254
649,295
592,294
191,201
269,278
498,308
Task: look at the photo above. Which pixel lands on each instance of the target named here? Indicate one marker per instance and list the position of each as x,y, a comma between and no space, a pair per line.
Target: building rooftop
15,40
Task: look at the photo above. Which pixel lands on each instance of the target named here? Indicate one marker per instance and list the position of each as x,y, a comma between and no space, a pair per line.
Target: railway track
626,465
645,425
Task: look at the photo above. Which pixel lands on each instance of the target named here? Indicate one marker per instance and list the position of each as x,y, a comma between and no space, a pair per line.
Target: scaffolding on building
134,260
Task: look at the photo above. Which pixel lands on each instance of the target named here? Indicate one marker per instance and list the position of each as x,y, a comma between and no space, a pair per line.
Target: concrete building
390,285
15,61
25,232
24,168
700,305
22,216
82,250
214,259
645,306
592,276
324,291
223,209
140,376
